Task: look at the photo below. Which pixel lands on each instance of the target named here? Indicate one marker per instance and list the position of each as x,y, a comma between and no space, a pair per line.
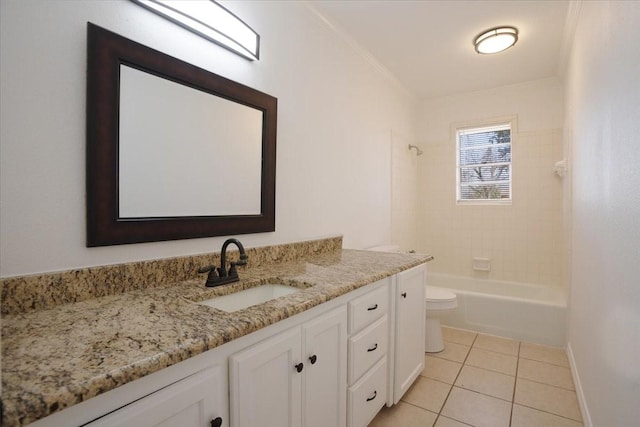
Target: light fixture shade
210,20
496,40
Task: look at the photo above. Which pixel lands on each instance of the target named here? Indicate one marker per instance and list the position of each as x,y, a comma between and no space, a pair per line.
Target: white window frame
483,127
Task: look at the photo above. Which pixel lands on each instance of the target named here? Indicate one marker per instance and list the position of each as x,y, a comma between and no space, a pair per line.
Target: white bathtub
532,313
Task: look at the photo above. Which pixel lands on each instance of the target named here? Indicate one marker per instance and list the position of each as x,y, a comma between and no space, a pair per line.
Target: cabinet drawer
368,395
366,348
369,307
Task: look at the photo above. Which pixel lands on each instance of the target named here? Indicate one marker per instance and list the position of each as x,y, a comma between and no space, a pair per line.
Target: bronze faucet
222,276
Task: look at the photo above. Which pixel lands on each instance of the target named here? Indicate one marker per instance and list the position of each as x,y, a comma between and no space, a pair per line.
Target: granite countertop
58,357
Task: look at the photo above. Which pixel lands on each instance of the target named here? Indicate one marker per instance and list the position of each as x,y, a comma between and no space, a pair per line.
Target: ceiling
427,45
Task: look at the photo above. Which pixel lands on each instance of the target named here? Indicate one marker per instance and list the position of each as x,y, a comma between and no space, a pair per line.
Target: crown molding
360,51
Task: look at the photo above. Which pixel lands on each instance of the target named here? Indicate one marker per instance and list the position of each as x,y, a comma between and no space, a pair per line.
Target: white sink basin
249,297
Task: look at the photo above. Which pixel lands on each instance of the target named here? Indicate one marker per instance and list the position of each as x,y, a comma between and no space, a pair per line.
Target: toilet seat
440,299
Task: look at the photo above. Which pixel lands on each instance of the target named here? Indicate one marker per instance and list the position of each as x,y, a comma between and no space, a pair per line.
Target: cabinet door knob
313,359
373,307
375,393
373,348
299,367
216,422
404,294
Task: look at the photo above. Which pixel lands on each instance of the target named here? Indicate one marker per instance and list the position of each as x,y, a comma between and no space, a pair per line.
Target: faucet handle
207,269
212,277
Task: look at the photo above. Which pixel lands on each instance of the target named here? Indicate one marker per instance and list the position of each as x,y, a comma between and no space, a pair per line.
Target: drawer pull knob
373,348
375,393
404,294
299,367
372,308
313,359
216,422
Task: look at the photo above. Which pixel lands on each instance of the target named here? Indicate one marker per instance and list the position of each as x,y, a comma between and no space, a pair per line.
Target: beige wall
404,192
603,111
335,114
522,240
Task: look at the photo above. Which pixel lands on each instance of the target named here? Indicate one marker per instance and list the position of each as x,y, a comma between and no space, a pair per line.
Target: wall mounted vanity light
210,20
496,40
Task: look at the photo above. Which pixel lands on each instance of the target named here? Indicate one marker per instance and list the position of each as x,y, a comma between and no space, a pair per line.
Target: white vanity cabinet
334,365
295,378
368,349
408,335
196,401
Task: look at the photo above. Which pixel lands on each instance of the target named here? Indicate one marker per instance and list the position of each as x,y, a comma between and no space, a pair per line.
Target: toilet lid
439,294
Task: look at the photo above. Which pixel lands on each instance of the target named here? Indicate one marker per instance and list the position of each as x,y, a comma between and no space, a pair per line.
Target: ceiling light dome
496,40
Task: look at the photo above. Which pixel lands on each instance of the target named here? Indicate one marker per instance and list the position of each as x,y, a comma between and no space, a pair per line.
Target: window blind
484,163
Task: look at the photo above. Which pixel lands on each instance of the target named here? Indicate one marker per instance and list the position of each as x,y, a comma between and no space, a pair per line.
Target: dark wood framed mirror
146,180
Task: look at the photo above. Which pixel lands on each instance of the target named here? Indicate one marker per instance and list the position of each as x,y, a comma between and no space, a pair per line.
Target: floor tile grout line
481,368
451,418
516,377
444,358
476,392
437,380
418,406
458,375
464,330
550,385
455,379
492,370
515,384
497,352
544,361
438,414
484,394
550,413
501,352
464,363
468,389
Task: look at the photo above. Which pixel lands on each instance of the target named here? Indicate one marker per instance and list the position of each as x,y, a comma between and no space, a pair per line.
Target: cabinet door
325,371
264,384
192,402
409,329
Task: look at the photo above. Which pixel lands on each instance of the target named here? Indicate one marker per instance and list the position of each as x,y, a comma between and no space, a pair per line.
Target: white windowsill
485,202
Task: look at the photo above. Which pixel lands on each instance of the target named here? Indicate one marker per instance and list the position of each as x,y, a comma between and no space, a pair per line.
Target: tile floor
482,380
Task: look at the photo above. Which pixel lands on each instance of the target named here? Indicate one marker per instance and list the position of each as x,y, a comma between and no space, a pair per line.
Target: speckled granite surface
58,357
41,291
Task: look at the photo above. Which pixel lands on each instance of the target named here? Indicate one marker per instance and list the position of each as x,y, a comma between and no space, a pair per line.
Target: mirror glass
173,151
185,152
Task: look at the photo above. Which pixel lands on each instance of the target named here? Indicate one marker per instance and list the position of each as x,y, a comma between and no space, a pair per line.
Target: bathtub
526,312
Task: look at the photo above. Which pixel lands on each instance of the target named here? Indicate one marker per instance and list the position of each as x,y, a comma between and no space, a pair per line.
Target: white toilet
439,302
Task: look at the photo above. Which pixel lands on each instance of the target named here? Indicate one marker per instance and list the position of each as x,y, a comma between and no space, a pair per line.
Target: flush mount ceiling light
496,40
210,20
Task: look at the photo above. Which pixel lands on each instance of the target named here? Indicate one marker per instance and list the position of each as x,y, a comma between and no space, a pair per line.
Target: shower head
418,150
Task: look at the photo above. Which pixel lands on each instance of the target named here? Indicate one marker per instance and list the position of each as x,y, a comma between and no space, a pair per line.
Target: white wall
404,193
603,117
336,113
523,239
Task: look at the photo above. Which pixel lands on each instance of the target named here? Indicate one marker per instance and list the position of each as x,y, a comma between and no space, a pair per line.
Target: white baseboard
584,410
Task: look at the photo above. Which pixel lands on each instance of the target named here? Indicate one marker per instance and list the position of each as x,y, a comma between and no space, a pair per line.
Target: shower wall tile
404,188
523,240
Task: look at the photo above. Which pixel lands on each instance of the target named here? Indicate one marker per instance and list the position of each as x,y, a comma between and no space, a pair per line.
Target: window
484,163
